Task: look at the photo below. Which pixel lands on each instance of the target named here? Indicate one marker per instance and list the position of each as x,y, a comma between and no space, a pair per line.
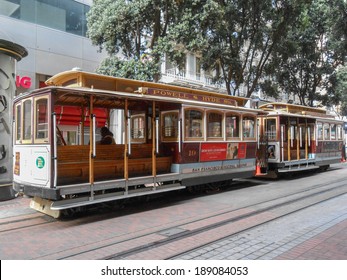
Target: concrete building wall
50,50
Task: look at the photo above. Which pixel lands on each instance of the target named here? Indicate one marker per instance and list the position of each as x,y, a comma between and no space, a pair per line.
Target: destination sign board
188,96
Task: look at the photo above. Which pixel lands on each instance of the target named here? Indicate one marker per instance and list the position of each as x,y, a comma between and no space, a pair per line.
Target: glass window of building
198,67
194,127
232,124
65,15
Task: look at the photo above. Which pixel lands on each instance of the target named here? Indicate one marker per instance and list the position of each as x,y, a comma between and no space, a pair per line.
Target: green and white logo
40,162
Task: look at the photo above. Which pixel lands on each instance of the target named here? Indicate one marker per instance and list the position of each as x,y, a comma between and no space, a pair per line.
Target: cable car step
297,168
99,198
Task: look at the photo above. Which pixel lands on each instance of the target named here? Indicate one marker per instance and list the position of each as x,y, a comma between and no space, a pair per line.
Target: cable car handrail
55,149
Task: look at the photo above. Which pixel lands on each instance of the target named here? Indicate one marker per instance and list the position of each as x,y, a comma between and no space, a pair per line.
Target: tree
339,81
338,31
132,29
291,46
306,60
234,38
141,69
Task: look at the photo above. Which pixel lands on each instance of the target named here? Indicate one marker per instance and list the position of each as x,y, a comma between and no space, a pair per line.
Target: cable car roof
74,88
78,78
292,110
116,100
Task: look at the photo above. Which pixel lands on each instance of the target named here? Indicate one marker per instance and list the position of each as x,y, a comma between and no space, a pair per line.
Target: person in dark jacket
106,136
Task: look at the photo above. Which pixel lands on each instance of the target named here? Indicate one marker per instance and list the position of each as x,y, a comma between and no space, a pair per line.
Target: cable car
297,138
166,138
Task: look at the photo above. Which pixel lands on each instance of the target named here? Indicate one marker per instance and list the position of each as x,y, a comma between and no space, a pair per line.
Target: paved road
298,236
273,240
317,232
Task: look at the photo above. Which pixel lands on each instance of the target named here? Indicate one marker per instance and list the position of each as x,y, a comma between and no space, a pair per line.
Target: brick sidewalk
331,244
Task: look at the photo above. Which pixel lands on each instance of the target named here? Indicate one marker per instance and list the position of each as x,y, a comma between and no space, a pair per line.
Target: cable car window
339,132
18,122
138,128
27,120
293,132
333,132
302,135
326,131
248,127
312,132
271,131
169,125
320,131
41,119
214,124
194,127
232,123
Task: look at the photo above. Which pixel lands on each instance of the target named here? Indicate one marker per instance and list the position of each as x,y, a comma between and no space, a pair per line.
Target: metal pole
55,164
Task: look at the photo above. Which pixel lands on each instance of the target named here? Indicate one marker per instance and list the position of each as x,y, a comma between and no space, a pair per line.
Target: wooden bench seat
73,163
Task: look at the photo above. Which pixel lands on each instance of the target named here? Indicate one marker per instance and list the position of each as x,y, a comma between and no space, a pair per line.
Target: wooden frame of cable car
168,159
295,141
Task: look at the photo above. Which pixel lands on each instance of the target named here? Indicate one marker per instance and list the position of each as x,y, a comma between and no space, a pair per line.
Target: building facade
53,32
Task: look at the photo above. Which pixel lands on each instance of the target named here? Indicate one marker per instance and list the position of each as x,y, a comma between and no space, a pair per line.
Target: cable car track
25,221
213,226
153,239
309,197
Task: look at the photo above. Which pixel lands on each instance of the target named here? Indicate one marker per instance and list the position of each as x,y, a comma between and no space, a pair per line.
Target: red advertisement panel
242,150
213,151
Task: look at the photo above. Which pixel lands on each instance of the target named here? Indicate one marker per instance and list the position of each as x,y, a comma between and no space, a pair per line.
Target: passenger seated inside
106,137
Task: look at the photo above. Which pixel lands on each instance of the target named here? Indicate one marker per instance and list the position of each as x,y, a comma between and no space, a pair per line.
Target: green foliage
304,64
131,29
142,69
340,92
291,46
270,88
235,39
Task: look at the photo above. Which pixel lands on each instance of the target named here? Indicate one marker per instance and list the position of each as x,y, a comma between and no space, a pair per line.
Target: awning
72,115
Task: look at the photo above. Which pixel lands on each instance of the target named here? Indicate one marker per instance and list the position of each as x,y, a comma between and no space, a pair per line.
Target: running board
100,198
297,168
